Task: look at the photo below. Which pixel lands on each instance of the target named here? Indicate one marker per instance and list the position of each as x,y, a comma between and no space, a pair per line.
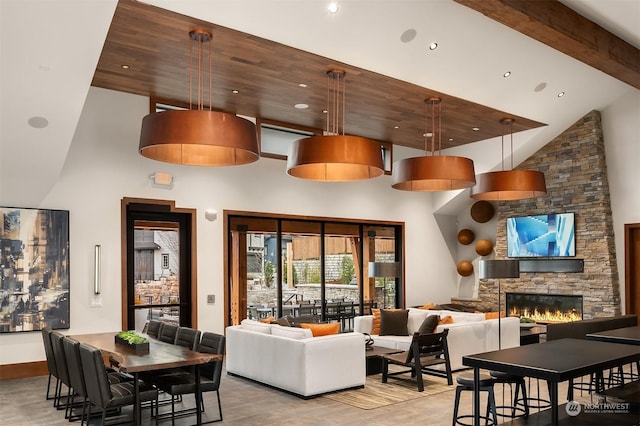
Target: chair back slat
153,328
74,365
212,343
61,360
168,333
187,337
95,376
48,351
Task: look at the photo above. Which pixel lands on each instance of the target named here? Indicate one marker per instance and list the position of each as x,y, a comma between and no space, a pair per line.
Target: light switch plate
211,298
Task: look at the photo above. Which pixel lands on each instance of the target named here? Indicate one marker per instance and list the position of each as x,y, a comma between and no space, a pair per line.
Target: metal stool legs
519,406
465,383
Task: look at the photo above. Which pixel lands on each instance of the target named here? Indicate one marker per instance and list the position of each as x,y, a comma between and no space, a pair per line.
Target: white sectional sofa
469,334
289,358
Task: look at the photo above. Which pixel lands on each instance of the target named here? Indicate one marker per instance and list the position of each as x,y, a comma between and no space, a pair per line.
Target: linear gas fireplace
544,308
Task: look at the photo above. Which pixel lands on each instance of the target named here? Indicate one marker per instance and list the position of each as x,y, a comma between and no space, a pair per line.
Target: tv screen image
548,235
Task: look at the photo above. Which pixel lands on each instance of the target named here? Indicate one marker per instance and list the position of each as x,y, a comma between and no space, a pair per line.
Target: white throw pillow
416,318
291,332
256,326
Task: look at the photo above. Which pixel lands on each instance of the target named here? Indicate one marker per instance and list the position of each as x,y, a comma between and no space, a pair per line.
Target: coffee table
374,358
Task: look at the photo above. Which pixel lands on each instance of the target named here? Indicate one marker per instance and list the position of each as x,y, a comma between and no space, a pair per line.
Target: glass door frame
233,270
133,209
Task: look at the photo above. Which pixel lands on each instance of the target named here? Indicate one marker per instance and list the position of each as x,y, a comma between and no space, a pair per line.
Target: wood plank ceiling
154,44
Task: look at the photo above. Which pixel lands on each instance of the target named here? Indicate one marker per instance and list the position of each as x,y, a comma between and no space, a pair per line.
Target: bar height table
626,335
555,361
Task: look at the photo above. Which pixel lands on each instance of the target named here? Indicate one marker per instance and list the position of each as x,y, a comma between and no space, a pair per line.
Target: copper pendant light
333,156
433,172
509,185
198,137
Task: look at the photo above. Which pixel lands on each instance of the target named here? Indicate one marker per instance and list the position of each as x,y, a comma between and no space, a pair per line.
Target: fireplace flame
546,315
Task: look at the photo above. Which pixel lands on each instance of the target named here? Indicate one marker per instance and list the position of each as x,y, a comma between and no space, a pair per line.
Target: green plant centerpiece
133,340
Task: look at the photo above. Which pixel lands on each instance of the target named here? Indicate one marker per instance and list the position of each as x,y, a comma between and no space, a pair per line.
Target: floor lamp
384,270
496,269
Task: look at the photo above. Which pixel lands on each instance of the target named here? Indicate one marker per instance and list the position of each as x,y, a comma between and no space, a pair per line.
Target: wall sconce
96,269
161,180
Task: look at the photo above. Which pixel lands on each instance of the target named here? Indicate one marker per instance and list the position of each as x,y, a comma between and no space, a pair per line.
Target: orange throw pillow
494,315
375,329
268,320
322,329
446,320
427,306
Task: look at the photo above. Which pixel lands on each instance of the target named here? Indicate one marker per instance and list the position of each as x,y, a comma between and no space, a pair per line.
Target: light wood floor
22,402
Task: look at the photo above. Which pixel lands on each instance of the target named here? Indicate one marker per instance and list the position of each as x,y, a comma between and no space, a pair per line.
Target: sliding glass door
317,269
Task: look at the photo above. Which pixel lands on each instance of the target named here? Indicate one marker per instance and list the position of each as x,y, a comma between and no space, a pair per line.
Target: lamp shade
489,269
198,138
384,269
433,173
336,158
509,185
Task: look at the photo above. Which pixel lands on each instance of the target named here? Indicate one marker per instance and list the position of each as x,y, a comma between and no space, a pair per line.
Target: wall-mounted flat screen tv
547,235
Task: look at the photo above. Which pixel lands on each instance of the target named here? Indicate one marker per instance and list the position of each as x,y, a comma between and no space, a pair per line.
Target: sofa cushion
394,322
267,320
415,320
322,329
256,326
290,332
429,324
429,305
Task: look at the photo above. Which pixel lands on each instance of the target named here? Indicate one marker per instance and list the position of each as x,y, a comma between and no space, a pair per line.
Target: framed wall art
34,269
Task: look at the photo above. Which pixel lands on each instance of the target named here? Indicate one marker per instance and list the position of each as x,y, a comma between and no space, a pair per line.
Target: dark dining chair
187,337
154,327
51,366
185,382
106,396
76,376
425,352
168,333
63,371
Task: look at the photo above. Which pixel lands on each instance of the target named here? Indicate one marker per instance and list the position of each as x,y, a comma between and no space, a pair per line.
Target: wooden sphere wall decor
482,211
465,268
484,247
466,237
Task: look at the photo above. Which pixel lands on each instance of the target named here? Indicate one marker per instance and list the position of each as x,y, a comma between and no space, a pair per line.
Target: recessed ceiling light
433,46
396,127
301,106
38,122
475,129
427,135
324,111
302,85
450,139
506,74
333,7
125,66
235,92
561,94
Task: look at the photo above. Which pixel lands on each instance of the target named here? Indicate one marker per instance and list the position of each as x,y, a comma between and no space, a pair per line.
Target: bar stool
537,401
520,403
465,383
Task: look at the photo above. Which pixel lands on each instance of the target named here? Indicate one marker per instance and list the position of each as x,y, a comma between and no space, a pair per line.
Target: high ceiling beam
561,28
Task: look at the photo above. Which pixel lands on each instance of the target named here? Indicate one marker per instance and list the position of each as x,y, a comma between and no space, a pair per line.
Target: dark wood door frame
162,206
632,268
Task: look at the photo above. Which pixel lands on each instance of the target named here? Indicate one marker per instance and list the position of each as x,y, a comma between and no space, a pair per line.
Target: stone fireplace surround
576,176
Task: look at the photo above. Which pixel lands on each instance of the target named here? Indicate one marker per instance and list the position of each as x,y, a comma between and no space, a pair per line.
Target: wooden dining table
160,356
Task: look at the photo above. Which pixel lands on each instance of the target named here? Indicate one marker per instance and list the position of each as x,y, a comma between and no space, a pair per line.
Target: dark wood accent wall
23,369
